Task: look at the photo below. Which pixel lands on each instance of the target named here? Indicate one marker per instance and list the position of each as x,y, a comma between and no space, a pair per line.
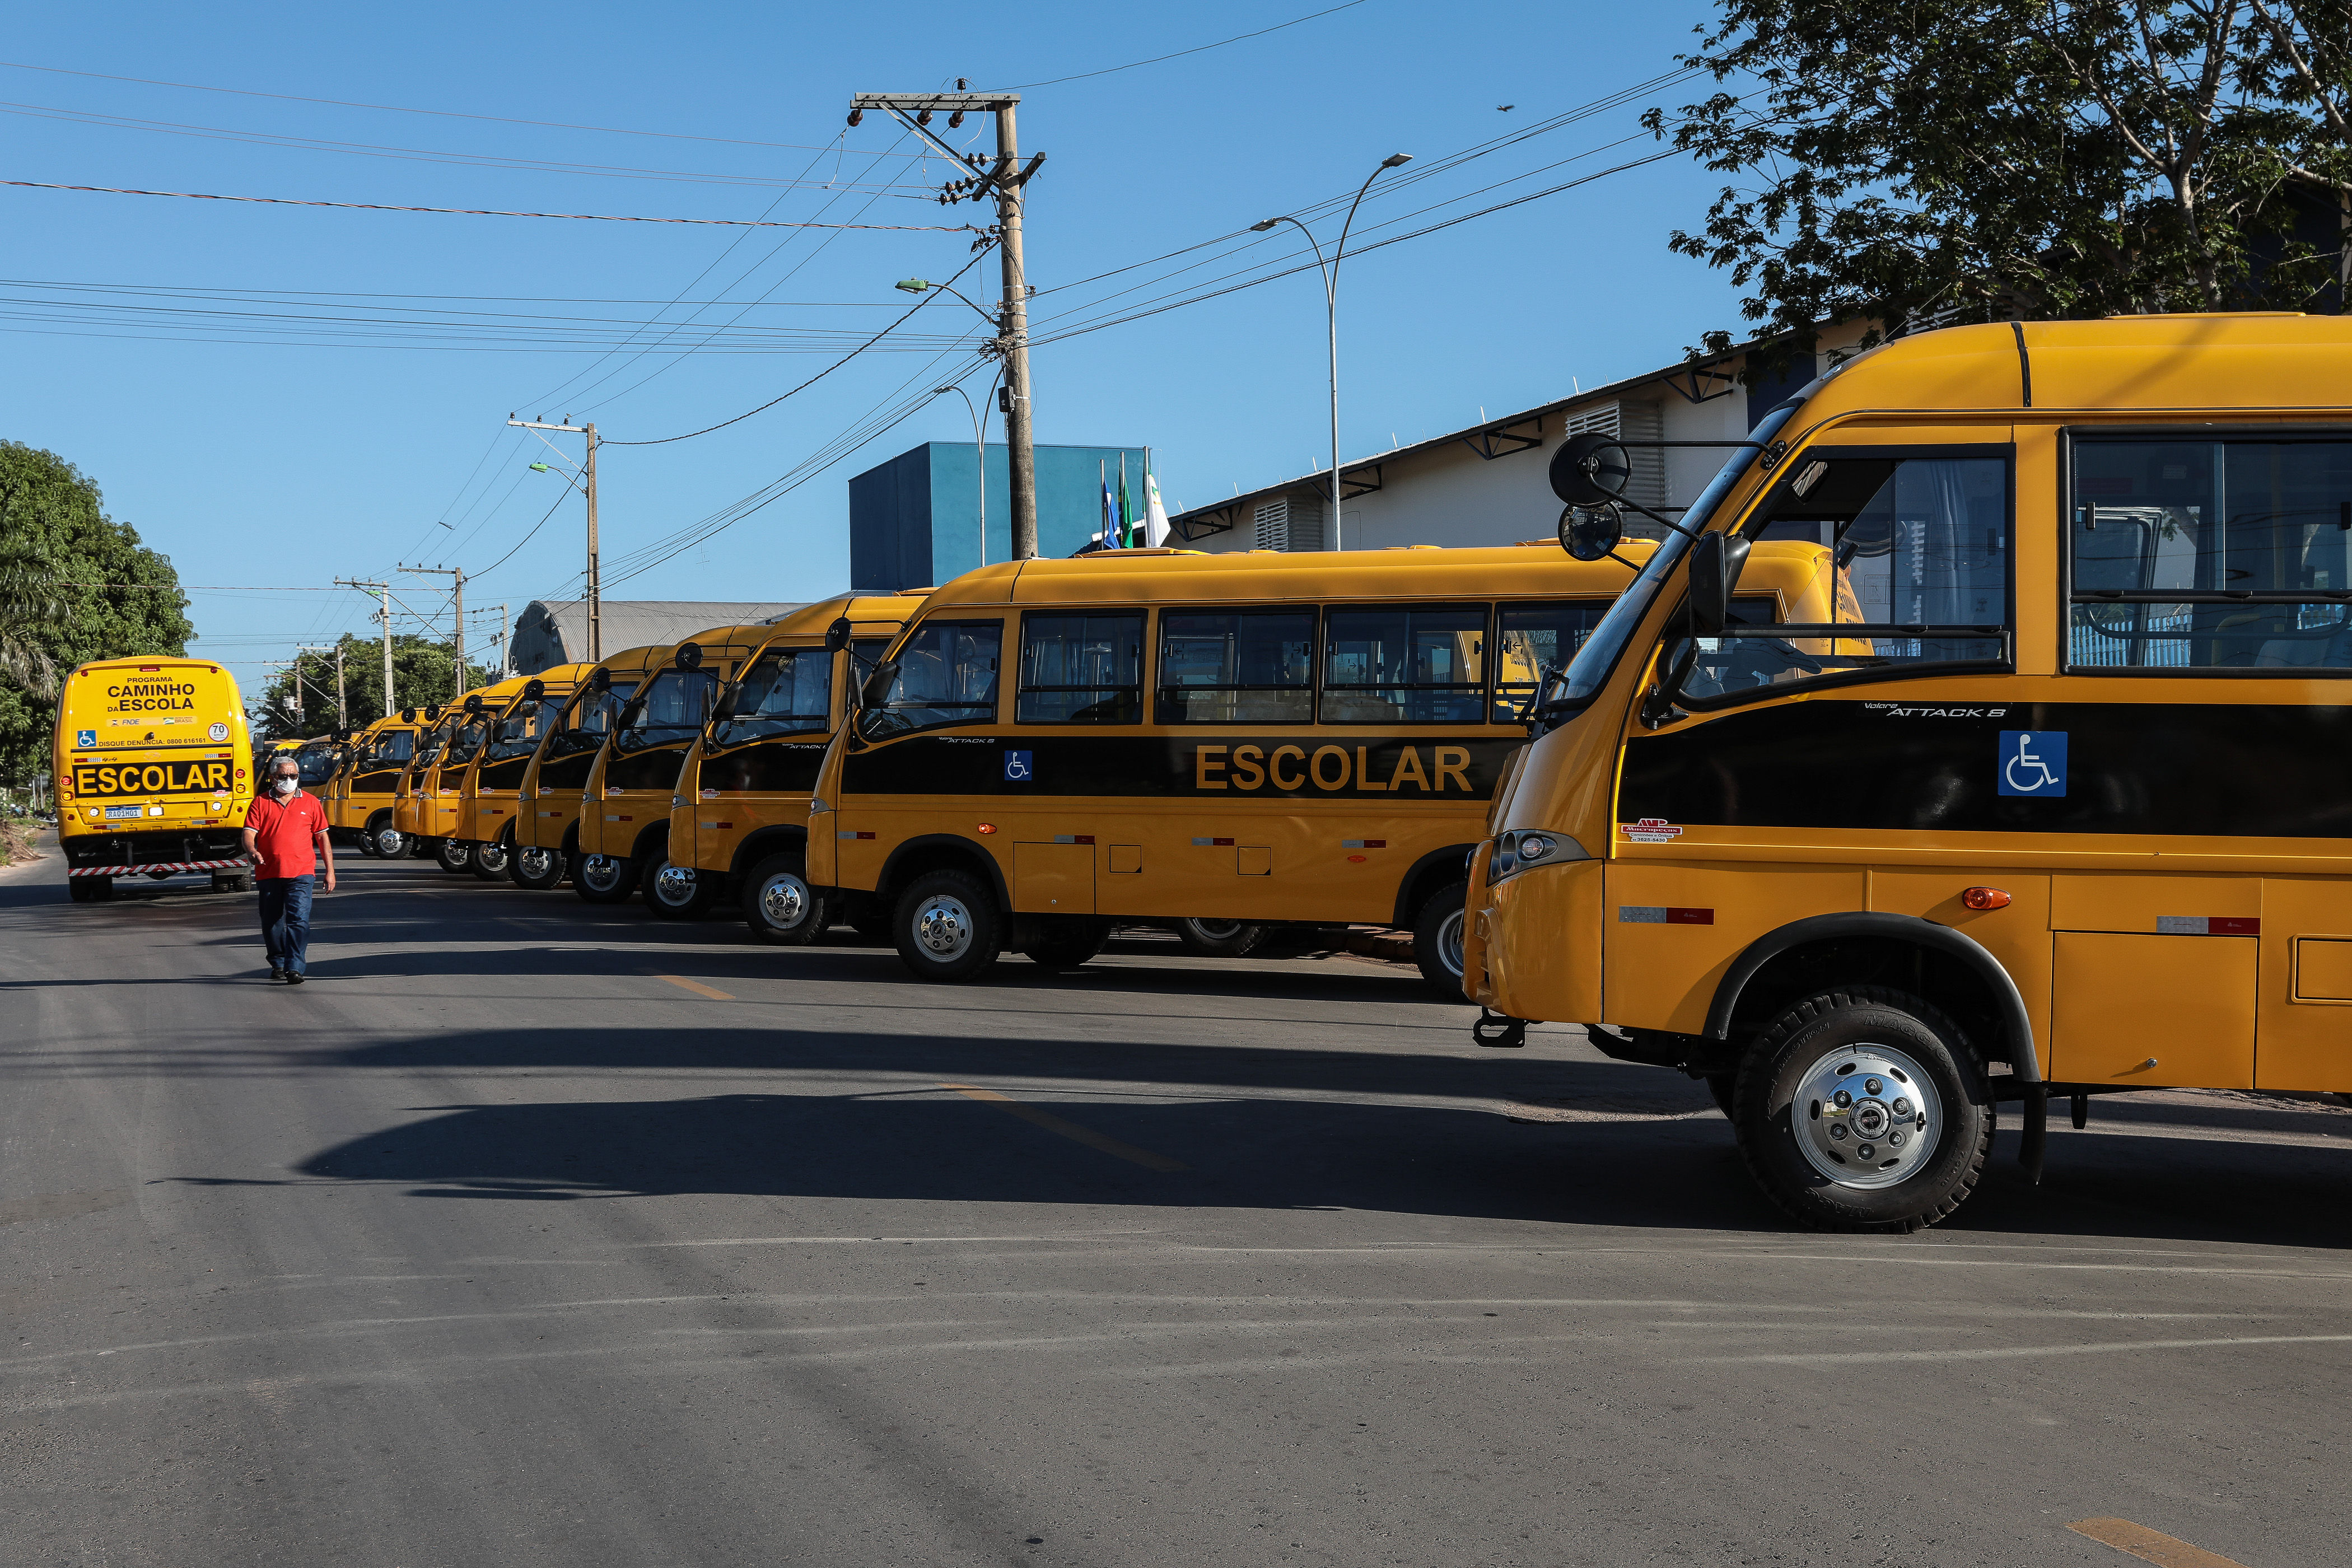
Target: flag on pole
1126,518
1102,466
1155,516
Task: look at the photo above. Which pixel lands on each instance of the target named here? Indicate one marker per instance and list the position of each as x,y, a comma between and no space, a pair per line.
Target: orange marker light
987,827
1985,899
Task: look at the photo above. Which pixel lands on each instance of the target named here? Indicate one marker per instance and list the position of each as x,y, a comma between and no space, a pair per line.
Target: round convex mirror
1590,532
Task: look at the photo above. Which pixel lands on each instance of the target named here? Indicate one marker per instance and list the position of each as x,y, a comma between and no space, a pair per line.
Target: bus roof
2184,364
1418,572
811,620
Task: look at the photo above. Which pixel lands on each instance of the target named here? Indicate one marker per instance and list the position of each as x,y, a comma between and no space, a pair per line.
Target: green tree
1972,160
75,585
423,671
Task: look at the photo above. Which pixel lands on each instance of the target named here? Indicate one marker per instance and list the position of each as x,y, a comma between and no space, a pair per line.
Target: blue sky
335,411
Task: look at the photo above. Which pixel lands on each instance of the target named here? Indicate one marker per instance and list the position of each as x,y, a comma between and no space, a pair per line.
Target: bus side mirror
473,702
836,635
631,711
408,715
688,655
1716,563
432,714
724,709
1591,533
533,690
601,680
1590,471
878,685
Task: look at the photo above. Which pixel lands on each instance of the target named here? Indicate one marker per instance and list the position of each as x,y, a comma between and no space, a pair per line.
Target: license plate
116,812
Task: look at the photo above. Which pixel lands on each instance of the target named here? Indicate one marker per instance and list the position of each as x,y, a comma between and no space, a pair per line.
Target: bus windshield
1589,671
519,733
392,746
317,761
677,702
466,742
787,692
590,720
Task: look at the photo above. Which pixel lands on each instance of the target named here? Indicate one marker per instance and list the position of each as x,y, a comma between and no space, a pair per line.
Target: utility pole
457,576
384,589
295,665
913,110
506,644
595,594
342,709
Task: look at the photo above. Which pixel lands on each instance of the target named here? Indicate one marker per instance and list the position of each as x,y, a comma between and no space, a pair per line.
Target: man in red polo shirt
282,828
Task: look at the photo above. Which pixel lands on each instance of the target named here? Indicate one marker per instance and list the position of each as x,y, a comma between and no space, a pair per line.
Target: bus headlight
1522,848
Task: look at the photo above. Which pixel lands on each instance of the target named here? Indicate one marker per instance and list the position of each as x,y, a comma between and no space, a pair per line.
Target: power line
491,212
397,108
1180,54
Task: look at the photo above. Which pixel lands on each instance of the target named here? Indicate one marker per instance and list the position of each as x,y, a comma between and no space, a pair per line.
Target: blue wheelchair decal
85,737
2033,763
1017,768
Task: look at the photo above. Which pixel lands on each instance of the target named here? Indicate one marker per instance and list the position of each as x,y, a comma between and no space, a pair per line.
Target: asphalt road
532,1234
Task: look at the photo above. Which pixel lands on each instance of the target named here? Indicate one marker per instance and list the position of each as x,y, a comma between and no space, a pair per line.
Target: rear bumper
153,867
129,854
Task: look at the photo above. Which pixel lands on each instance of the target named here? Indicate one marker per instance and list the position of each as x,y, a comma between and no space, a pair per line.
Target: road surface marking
2151,1546
1070,1130
2007,1352
697,987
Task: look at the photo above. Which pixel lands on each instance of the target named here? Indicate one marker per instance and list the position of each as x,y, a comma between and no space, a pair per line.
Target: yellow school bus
547,823
740,817
490,792
2063,813
427,806
362,800
624,808
153,772
433,724
1220,741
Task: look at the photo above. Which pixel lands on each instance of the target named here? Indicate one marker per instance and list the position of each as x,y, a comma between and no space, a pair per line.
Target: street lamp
923,285
979,449
1331,308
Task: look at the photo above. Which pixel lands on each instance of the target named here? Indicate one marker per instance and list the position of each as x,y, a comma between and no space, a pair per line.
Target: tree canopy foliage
423,671
1943,161
75,585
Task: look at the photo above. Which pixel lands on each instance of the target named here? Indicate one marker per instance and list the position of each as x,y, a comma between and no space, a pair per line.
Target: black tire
1437,939
779,906
454,856
946,927
1067,942
677,892
492,860
367,845
232,882
420,848
535,869
1219,938
1926,1157
603,878
89,889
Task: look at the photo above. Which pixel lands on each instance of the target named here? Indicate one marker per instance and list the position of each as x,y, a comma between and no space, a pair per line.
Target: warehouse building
914,520
547,635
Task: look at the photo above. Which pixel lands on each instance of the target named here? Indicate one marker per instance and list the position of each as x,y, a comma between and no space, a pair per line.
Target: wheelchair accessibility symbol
1016,767
85,737
2033,762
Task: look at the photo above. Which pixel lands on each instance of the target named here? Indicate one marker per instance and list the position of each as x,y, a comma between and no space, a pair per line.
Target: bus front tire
677,892
1908,1143
779,906
946,927
535,869
1437,939
491,860
604,878
1067,941
453,855
1219,938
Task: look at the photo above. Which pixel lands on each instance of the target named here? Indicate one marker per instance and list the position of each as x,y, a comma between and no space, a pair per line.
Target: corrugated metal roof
546,635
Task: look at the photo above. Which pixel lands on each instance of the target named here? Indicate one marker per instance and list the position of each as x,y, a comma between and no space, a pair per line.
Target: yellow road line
1070,1130
2149,1545
697,987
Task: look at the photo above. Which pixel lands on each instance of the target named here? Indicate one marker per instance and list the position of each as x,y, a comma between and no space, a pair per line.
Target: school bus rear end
153,773
1225,743
2055,807
740,816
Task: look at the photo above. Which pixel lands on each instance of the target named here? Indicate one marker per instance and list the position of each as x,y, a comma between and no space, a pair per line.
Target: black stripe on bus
1293,766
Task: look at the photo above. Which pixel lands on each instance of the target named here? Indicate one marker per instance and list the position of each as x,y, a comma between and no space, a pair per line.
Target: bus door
1236,688
1855,750
772,744
2206,583
918,749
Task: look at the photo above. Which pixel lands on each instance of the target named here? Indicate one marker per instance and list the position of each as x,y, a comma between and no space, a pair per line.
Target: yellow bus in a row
424,804
1220,741
360,797
153,772
489,788
548,801
2060,810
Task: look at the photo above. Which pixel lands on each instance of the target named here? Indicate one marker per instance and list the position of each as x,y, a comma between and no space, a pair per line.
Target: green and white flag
1155,516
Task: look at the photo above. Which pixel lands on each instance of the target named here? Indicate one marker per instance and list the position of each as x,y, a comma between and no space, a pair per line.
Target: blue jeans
286,920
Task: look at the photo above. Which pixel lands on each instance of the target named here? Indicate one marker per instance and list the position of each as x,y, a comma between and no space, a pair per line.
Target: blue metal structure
914,521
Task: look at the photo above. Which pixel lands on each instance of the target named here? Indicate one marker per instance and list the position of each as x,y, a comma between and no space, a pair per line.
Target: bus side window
1918,548
2190,553
1245,666
947,675
1080,669
1423,664
1530,637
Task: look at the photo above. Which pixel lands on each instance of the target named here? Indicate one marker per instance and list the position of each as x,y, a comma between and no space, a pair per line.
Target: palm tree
30,605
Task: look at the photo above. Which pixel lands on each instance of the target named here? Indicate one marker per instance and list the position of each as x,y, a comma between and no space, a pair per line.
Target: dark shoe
293,977
276,975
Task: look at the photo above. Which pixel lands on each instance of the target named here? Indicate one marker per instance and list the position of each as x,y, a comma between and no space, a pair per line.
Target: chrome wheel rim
1866,1116
943,927
533,862
390,842
674,885
783,901
601,873
1449,943
455,854
491,856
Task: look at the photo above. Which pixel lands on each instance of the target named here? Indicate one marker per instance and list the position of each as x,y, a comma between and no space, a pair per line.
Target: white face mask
285,786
